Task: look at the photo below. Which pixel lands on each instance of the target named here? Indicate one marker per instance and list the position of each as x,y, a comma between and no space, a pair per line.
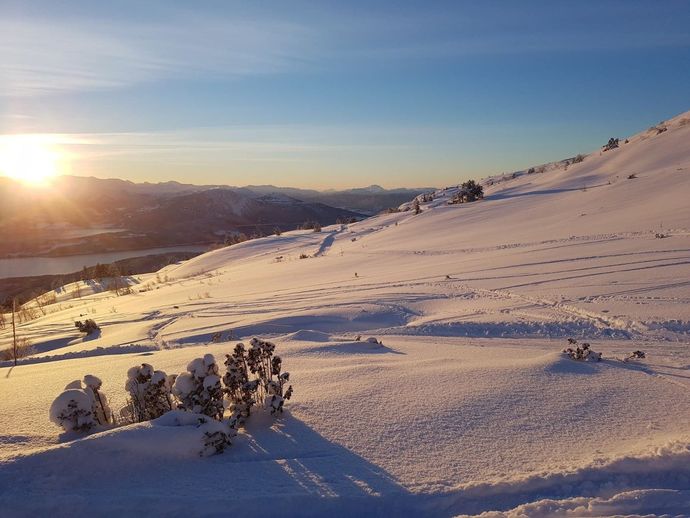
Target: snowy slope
468,407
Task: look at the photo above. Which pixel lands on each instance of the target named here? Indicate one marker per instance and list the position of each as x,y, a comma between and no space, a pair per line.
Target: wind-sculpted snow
464,404
662,473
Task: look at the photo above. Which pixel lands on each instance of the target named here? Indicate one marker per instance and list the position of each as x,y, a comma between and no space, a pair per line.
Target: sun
31,159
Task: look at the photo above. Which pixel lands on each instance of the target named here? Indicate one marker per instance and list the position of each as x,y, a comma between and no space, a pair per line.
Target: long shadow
55,343
276,465
326,244
503,195
648,368
362,347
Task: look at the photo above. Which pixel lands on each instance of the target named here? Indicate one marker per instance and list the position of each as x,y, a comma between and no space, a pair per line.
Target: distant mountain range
80,215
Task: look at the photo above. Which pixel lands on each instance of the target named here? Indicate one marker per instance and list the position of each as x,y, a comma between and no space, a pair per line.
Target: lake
31,266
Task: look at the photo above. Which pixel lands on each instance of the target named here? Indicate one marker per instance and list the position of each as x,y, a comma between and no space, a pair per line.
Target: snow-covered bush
100,408
277,394
239,388
636,355
149,393
581,352
199,388
611,144
81,406
88,326
267,367
72,410
211,438
468,192
254,375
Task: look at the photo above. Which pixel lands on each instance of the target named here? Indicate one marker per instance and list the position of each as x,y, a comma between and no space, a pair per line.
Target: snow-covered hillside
467,407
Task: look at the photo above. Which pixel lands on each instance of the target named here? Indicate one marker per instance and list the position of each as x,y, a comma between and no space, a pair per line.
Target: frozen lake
30,266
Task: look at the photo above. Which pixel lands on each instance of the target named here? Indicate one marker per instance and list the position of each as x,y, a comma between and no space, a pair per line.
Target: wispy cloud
40,56
104,49
225,144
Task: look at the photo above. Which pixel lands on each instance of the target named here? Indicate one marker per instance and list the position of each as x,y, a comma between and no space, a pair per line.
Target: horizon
330,97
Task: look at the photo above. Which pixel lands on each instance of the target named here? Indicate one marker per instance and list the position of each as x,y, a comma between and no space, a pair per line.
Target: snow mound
176,434
652,502
354,347
307,335
558,363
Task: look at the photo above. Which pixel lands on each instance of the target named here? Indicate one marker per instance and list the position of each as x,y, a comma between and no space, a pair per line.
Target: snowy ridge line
98,351
666,467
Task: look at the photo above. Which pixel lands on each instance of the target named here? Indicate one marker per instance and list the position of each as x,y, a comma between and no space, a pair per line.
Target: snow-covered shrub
72,410
581,352
636,355
217,436
211,437
277,394
254,375
239,388
199,388
611,144
149,393
100,407
81,406
267,368
468,192
88,326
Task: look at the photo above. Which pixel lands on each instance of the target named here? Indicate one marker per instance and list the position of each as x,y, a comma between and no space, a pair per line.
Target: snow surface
467,406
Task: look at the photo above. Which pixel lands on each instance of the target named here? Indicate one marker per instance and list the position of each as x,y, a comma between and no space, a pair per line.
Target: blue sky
336,94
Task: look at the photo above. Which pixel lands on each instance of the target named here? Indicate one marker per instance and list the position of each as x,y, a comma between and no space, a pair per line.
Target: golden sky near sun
32,159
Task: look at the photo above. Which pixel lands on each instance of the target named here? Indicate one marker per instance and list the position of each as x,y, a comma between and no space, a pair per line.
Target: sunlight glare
32,159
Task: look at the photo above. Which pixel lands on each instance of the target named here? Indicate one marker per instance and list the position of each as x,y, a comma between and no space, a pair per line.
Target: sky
335,94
